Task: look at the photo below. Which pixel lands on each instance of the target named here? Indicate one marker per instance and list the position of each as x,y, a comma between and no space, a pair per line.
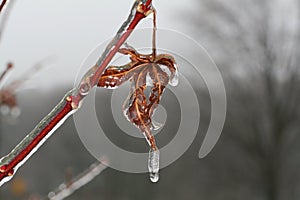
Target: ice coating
22,146
173,74
85,88
156,125
140,10
144,71
153,165
64,190
149,81
174,79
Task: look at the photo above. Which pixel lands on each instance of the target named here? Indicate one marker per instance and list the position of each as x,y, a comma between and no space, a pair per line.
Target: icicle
153,165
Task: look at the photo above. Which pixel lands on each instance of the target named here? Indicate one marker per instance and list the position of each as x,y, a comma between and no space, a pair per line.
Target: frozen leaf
143,71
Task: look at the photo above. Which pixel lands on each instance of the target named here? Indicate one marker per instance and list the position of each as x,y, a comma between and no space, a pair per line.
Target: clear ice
153,165
156,125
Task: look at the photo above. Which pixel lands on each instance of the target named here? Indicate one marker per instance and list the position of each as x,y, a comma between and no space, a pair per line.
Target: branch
73,99
28,74
68,188
9,66
2,5
5,15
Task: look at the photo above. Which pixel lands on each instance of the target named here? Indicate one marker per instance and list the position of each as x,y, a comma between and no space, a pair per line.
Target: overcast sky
70,30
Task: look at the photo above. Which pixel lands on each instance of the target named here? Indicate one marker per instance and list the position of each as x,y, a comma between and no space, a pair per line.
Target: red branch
139,11
8,67
2,5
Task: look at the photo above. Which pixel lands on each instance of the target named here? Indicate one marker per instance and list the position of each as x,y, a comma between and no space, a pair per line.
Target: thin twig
5,15
28,74
2,5
9,66
73,99
68,188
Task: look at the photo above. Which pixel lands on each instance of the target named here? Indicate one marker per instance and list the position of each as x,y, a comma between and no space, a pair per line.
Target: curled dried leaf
144,70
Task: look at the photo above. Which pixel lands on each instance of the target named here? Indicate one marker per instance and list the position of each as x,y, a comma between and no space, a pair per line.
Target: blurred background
255,44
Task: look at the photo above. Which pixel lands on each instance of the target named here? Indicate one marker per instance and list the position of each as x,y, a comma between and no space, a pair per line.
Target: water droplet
153,165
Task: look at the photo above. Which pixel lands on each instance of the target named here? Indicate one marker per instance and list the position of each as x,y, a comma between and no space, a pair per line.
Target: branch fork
73,99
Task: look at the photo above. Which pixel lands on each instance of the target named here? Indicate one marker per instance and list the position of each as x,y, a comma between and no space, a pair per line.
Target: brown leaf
143,71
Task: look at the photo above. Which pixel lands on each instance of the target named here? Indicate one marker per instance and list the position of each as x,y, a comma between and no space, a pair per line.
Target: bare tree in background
255,44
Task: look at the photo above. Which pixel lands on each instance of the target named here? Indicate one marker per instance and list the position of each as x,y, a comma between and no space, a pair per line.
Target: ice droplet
154,177
85,87
153,165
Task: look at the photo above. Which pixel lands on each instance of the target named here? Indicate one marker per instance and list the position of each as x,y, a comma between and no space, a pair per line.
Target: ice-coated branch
2,5
68,188
8,4
72,100
19,155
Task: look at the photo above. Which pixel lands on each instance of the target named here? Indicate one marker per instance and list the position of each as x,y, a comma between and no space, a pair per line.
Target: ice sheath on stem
72,100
